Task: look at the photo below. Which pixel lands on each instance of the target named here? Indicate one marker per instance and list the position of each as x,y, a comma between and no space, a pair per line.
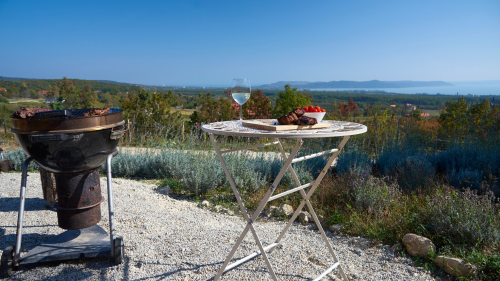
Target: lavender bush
465,217
372,194
354,161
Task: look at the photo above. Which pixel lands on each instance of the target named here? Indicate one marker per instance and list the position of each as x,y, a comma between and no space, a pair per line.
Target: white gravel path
168,239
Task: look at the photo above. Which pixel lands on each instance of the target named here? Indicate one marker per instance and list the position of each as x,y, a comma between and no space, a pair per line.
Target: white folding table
234,128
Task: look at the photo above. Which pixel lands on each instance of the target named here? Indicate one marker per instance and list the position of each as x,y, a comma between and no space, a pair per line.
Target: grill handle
118,133
55,137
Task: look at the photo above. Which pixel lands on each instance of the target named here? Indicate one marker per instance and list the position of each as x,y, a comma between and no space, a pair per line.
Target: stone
226,211
218,208
6,165
205,203
165,190
304,217
284,210
361,243
454,266
321,219
336,227
396,248
417,245
270,211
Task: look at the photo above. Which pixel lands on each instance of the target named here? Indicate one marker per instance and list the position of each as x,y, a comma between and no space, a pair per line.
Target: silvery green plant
465,178
371,194
465,217
201,170
354,161
18,157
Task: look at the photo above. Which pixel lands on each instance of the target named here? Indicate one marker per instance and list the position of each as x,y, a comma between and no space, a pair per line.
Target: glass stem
241,108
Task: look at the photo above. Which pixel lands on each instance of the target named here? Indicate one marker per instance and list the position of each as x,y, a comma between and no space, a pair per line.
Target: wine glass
240,90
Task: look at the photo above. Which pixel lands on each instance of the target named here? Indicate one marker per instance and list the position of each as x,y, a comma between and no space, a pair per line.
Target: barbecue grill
72,144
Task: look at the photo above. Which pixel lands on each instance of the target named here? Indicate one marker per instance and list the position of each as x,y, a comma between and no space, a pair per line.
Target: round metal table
234,128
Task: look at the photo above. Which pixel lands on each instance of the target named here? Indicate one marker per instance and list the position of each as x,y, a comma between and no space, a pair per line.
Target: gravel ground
168,239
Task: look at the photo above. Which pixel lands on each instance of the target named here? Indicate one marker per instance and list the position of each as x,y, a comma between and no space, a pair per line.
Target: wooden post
182,131
128,126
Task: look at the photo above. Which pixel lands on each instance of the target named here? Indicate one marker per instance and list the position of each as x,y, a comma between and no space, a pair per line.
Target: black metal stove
72,144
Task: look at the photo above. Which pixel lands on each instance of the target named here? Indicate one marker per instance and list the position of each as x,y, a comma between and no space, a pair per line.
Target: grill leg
110,203
19,233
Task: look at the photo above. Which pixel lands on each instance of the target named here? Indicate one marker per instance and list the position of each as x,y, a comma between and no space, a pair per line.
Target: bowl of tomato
314,112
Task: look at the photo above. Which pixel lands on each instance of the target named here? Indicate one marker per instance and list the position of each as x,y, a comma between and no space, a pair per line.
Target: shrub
355,161
466,166
18,157
465,217
465,178
412,169
202,171
373,195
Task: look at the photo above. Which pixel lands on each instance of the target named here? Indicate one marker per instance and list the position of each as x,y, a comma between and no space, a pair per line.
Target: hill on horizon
356,84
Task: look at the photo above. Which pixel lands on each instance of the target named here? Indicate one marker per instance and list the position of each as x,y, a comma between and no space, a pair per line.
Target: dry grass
183,111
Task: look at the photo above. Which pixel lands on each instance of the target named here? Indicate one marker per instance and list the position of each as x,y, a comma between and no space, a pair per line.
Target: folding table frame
268,197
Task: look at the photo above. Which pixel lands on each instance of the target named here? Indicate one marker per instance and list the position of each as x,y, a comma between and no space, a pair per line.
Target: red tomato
318,108
310,109
305,109
322,110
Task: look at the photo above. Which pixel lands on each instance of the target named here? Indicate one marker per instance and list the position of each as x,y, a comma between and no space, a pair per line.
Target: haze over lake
462,88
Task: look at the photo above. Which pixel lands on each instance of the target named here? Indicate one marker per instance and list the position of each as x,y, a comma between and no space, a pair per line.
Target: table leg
259,208
267,197
306,201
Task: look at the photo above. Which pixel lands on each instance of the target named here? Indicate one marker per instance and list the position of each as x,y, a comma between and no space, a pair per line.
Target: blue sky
211,42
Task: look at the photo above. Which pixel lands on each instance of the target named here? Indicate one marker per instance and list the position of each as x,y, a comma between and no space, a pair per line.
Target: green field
432,112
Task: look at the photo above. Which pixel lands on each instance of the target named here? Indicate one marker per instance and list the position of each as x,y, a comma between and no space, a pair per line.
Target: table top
337,129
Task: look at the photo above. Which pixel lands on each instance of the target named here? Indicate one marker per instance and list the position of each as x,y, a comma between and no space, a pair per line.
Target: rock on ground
304,217
417,245
284,210
168,239
454,266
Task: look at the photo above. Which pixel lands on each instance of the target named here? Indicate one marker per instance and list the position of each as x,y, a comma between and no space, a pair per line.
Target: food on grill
296,118
95,112
28,112
304,120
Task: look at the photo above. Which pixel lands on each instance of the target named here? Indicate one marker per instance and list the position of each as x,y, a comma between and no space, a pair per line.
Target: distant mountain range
373,84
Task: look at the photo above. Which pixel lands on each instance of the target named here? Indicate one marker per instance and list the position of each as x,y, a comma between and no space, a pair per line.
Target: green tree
417,114
12,91
73,97
212,110
289,99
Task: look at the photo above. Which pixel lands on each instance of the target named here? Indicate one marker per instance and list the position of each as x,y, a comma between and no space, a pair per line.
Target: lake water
462,88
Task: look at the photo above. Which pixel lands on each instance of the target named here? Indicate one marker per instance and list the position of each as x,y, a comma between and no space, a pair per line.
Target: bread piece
304,120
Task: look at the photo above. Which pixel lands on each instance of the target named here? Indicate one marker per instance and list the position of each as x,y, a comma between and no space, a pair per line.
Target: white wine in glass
240,90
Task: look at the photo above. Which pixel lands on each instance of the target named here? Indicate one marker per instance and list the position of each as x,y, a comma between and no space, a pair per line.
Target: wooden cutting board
268,126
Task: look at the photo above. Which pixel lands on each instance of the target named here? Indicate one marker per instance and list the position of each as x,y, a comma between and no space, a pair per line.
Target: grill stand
70,245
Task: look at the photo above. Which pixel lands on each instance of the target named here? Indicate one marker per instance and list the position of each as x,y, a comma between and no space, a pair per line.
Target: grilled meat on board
304,120
296,118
